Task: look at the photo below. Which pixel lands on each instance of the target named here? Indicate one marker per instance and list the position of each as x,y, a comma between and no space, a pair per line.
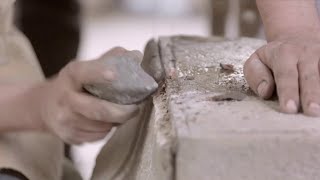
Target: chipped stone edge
167,57
166,140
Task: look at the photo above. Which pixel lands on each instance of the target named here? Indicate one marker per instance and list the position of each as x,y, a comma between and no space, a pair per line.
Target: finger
92,126
265,55
92,137
80,137
259,77
101,110
89,107
309,80
120,114
80,73
286,77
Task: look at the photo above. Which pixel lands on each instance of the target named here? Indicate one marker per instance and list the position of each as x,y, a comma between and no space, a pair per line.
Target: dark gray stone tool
132,84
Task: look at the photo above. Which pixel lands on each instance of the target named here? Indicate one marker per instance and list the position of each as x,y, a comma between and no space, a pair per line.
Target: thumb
259,77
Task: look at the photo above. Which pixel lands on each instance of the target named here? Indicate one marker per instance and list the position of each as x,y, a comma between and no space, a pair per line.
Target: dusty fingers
309,79
259,77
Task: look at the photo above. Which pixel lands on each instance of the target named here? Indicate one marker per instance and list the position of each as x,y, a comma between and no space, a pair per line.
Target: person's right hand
75,116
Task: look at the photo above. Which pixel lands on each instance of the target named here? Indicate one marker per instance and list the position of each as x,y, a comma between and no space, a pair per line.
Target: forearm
17,108
283,17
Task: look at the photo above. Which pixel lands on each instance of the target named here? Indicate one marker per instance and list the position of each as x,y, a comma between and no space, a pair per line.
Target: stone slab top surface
206,98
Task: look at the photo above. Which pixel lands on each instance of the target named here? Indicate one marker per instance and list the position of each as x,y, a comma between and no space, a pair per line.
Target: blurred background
131,23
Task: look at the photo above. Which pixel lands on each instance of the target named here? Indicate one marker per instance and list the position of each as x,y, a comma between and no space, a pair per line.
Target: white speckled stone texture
223,131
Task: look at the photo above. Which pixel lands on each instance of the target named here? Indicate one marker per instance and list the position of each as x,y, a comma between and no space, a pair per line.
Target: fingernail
262,88
291,107
314,108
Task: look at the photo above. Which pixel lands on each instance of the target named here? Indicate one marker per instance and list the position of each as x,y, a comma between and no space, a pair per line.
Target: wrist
283,19
34,101
313,31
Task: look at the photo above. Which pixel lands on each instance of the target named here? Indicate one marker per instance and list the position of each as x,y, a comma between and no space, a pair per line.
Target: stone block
223,131
205,123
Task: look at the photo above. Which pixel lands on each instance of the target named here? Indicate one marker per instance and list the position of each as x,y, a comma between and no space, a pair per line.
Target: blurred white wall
159,7
156,7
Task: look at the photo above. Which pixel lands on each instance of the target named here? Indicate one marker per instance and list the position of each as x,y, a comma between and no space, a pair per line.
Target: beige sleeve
37,156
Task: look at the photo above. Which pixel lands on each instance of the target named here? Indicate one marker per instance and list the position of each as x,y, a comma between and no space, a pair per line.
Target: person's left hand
291,64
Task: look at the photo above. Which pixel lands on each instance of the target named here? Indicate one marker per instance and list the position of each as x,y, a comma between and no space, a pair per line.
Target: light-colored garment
38,156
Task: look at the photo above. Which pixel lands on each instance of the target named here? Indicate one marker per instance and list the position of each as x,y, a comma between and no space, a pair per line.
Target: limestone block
223,131
205,123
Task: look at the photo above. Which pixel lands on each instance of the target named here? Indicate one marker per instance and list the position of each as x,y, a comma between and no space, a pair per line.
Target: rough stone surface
132,84
152,61
223,131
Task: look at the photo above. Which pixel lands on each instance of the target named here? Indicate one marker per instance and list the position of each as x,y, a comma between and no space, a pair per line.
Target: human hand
75,116
291,65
